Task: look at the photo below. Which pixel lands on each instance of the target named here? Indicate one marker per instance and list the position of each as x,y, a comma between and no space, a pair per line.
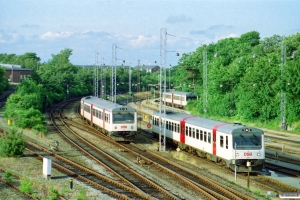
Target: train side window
190,132
167,125
100,115
205,135
226,142
197,134
186,131
94,112
201,135
172,127
178,128
193,132
221,141
209,137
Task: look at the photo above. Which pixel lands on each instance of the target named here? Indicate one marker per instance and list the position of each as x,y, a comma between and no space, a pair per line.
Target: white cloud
9,37
50,35
143,40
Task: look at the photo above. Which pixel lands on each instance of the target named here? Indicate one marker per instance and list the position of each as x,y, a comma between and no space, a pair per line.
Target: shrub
12,145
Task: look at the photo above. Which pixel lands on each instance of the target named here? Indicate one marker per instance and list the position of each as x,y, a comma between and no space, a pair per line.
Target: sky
132,31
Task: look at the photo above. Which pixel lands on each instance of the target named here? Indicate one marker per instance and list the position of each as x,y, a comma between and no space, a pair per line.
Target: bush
12,145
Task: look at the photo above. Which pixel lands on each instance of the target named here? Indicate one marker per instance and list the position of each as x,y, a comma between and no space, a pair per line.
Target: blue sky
48,26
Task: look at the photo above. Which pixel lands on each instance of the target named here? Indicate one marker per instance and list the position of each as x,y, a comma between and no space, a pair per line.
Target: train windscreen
123,117
245,141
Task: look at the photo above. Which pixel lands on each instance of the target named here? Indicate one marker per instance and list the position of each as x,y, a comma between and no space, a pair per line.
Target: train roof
104,104
182,93
205,122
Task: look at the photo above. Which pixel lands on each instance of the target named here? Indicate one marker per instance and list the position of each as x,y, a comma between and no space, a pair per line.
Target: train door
182,131
92,105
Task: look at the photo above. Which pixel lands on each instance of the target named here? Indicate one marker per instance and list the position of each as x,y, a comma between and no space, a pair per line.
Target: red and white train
116,121
229,144
178,99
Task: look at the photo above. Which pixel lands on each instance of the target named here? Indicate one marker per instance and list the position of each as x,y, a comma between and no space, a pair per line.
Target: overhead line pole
162,74
113,73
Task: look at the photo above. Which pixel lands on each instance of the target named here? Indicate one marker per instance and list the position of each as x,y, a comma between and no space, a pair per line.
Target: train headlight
258,154
237,154
115,127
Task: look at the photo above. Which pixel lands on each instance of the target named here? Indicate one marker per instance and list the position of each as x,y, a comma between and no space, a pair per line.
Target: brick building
15,73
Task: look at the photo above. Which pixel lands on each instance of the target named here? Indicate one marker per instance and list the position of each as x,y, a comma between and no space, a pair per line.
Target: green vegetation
245,81
12,145
8,176
54,194
26,185
81,195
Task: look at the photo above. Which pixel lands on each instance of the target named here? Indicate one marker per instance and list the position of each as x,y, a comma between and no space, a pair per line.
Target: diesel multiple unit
116,121
178,99
227,143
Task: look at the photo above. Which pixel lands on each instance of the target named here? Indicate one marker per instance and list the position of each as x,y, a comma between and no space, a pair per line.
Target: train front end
124,124
248,149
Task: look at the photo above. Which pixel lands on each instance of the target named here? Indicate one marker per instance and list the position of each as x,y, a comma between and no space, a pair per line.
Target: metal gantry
113,73
96,78
282,93
204,82
162,81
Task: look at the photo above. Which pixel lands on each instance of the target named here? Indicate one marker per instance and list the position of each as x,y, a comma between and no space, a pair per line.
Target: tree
3,82
12,145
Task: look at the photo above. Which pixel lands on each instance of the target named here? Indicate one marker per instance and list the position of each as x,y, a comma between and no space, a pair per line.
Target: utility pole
96,75
113,73
138,77
162,78
204,82
282,93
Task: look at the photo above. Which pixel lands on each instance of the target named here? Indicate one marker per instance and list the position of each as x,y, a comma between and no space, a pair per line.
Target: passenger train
178,99
116,121
230,144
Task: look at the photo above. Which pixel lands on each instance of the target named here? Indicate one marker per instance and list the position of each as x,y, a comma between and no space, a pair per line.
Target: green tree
12,145
3,81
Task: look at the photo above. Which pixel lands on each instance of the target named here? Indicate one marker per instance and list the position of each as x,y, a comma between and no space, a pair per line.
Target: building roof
14,67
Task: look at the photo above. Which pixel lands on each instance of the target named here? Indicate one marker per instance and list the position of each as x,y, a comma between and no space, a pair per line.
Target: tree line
246,80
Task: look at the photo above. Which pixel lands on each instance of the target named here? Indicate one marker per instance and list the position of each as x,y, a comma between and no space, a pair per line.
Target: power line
183,37
137,51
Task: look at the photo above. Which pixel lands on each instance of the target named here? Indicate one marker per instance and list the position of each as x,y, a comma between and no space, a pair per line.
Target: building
15,73
149,68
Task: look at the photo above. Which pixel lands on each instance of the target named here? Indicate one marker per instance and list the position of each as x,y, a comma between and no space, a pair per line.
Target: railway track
204,187
127,175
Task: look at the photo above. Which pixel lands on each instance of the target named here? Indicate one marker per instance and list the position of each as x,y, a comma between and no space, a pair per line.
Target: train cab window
201,135
193,132
209,137
226,142
197,134
221,141
186,131
205,136
190,132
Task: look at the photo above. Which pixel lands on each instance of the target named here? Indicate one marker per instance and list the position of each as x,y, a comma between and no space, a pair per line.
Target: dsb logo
247,153
123,126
